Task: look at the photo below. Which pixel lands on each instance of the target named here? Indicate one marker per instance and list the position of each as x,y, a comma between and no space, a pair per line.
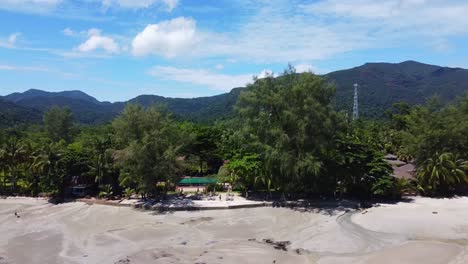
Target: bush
214,187
387,187
106,191
128,192
393,188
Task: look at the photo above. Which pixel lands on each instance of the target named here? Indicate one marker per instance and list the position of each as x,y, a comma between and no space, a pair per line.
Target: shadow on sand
333,207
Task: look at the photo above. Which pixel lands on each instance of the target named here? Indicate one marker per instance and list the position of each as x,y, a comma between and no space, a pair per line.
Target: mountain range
380,85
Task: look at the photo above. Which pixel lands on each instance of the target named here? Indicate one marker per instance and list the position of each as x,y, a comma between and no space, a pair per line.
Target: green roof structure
197,181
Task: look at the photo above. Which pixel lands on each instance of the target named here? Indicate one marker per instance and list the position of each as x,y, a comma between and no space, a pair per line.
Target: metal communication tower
355,105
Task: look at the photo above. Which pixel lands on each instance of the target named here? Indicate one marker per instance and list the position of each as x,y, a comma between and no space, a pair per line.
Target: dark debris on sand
197,220
3,260
123,261
280,245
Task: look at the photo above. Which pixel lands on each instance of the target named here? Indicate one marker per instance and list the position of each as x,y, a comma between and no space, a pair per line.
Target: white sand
81,233
421,218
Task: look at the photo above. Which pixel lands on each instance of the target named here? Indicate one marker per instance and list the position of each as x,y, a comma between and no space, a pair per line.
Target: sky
115,50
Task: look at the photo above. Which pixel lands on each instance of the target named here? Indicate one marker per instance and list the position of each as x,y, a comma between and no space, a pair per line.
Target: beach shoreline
77,232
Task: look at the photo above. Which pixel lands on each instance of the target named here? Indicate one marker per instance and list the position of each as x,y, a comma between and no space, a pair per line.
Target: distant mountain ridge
380,85
12,114
34,93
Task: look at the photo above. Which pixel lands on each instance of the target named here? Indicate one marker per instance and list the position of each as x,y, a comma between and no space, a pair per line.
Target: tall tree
291,124
59,123
204,146
51,166
246,172
149,149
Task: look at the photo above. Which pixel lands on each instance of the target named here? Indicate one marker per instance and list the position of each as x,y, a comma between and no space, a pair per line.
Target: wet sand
81,233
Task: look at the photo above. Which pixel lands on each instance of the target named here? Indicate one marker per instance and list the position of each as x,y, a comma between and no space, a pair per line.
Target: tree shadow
167,206
332,207
325,207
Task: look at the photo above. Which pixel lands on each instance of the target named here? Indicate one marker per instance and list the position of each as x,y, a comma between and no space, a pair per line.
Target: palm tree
3,167
39,165
51,164
101,164
439,175
14,153
98,167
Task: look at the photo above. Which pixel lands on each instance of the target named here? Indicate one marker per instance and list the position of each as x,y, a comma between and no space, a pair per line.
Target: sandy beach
421,231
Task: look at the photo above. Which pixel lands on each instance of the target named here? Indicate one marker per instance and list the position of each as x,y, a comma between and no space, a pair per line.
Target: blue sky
118,49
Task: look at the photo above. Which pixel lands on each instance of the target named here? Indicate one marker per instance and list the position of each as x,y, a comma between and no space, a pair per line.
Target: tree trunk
201,167
35,190
13,181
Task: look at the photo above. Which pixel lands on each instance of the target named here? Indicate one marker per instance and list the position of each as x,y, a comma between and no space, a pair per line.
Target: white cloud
168,38
281,31
10,41
265,73
213,81
219,66
6,67
33,6
431,17
206,78
441,45
170,4
303,68
93,32
277,34
357,8
40,69
167,5
13,37
69,32
98,42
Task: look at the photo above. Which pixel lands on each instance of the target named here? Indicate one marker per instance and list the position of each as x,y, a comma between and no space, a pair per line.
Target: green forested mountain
12,114
84,111
380,85
203,109
34,93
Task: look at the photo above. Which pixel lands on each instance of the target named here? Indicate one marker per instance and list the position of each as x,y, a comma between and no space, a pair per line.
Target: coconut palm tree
14,153
38,165
3,167
100,161
441,174
51,164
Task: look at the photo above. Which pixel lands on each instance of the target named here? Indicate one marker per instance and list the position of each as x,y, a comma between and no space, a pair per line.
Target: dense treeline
286,137
436,139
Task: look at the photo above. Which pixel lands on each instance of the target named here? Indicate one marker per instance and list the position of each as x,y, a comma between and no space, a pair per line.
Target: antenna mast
355,105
